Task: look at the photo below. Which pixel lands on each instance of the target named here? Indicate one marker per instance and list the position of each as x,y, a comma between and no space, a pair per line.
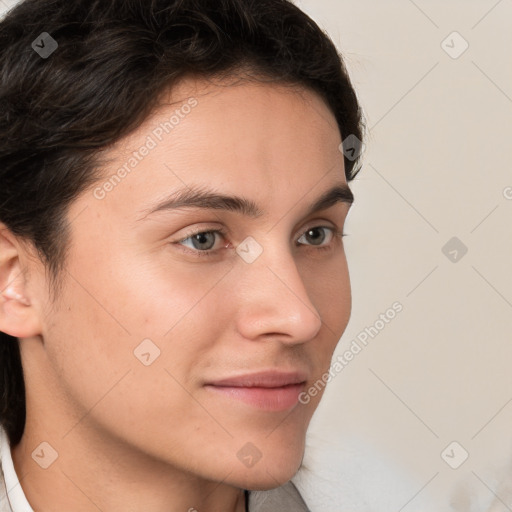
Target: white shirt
12,497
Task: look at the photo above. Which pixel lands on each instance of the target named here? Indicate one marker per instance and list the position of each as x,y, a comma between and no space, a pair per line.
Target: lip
267,390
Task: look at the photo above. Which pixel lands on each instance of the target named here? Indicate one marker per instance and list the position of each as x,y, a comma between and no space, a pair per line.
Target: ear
18,316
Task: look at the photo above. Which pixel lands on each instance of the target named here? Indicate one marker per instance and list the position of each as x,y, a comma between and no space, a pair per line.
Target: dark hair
114,60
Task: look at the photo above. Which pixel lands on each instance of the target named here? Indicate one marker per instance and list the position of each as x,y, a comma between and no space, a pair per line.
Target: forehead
252,138
233,113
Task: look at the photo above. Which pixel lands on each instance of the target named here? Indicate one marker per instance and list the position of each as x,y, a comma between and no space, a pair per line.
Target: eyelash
336,234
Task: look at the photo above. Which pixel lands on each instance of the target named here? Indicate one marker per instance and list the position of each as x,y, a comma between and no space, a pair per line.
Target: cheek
328,285
112,321
86,345
126,357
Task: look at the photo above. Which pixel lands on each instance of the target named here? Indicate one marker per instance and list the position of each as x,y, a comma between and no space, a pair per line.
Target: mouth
271,391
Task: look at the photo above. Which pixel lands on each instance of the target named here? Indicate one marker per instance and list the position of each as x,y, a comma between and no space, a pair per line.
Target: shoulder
283,499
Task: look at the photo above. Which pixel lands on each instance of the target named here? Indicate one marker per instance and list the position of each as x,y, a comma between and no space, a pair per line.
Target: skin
131,437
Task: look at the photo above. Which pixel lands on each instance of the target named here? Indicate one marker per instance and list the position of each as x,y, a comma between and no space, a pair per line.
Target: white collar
12,497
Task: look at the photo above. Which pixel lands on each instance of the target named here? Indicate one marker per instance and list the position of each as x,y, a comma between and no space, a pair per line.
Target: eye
205,243
317,236
202,241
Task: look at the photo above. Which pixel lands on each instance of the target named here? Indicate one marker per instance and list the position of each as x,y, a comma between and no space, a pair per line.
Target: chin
271,471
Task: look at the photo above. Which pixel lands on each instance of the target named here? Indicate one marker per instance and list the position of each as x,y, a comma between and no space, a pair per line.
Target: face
206,286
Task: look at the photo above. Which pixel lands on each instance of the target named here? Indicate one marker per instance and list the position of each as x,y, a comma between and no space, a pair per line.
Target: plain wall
436,166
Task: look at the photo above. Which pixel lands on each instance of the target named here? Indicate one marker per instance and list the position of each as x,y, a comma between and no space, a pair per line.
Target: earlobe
18,317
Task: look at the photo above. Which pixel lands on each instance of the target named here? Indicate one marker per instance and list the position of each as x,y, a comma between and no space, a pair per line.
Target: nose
274,303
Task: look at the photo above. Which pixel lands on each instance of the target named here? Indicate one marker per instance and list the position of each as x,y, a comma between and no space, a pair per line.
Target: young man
172,274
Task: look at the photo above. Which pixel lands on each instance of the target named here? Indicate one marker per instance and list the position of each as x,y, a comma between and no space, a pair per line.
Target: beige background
436,166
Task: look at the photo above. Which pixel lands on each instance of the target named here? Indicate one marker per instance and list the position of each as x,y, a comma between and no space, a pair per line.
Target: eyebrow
210,200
